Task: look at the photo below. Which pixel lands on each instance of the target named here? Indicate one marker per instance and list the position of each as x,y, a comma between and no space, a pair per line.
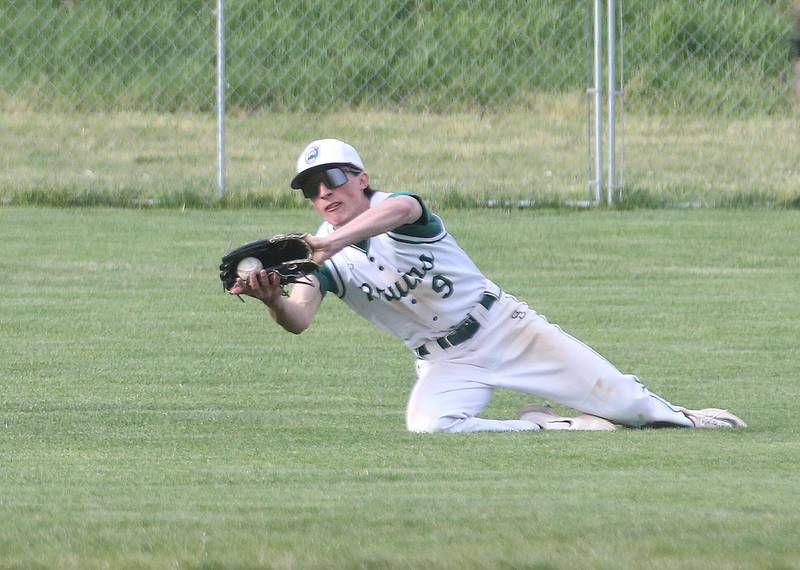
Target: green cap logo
312,154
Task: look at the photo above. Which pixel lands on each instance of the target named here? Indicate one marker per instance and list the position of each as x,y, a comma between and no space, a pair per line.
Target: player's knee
421,423
425,423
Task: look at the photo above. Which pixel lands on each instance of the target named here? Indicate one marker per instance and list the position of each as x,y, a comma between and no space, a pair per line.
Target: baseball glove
287,256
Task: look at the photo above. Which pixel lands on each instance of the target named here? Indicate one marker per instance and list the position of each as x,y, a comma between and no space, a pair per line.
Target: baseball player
392,261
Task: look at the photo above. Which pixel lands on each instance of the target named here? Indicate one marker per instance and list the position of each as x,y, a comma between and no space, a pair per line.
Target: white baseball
247,266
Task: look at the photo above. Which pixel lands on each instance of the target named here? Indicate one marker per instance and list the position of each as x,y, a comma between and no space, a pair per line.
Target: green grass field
150,421
540,155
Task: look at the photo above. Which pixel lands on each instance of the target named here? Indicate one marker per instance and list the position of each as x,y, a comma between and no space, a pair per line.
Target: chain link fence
473,98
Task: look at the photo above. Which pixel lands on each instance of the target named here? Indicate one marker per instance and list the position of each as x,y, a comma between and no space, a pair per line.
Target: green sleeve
326,282
428,225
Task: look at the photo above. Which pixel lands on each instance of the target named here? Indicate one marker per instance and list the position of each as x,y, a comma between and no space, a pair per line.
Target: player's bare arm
294,313
386,216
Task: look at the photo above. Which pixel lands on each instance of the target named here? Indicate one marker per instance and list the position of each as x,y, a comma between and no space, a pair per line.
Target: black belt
463,331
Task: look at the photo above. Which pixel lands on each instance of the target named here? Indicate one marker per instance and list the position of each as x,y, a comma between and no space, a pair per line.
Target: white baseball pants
518,349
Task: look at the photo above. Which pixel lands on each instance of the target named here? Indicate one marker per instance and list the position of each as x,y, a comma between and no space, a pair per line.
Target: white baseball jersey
414,282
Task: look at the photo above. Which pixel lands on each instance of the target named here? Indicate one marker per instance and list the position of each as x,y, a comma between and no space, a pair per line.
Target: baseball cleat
713,418
546,418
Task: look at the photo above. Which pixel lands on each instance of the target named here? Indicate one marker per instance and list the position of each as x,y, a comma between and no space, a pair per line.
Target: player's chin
338,217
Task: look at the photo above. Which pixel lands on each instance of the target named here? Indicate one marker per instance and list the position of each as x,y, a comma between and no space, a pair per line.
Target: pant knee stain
602,390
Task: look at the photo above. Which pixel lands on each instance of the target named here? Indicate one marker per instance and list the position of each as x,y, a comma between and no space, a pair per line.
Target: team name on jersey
409,281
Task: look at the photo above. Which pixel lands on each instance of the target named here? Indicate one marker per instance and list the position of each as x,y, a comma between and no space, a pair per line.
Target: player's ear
363,180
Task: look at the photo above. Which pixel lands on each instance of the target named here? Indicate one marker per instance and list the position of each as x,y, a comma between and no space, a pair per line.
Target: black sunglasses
331,177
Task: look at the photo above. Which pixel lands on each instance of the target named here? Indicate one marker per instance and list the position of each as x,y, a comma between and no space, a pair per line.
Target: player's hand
321,246
261,285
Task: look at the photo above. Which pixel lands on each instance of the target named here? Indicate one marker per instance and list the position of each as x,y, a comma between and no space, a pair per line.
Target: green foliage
707,58
439,55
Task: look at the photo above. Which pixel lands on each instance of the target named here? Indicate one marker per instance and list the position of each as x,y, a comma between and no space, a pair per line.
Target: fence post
611,94
611,86
221,97
598,101
796,48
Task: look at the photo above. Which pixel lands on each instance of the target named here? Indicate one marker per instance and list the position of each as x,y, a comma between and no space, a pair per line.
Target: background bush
420,54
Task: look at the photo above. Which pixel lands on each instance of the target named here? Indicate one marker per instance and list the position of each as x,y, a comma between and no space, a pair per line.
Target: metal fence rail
153,61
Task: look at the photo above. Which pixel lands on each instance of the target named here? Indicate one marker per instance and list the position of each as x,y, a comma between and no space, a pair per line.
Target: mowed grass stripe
149,420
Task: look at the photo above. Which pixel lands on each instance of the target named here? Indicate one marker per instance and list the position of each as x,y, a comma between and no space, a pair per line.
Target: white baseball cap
324,153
